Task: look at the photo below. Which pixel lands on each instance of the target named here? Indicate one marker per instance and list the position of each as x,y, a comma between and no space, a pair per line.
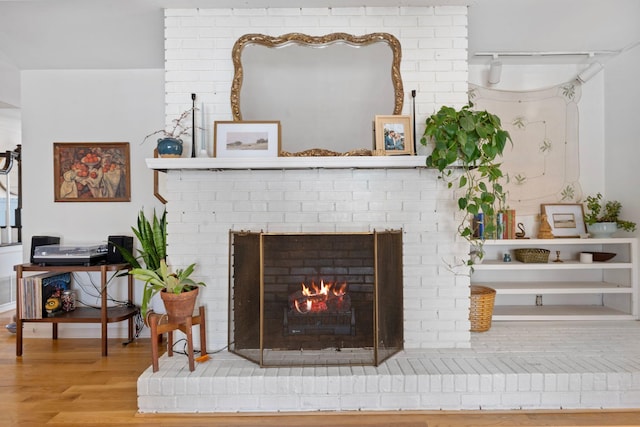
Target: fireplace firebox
315,299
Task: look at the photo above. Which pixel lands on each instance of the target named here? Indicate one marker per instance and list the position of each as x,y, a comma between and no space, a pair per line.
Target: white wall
9,83
10,128
622,92
609,141
622,148
524,77
86,106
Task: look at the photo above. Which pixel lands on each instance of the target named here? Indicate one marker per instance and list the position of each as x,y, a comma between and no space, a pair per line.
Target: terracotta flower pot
179,306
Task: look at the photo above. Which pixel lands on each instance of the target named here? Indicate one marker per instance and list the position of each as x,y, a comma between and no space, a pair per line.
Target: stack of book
505,225
36,290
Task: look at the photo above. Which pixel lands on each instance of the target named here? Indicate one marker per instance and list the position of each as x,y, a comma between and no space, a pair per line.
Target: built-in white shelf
568,290
537,243
264,163
528,288
558,312
565,265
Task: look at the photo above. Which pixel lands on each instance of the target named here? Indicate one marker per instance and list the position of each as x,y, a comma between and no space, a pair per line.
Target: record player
70,255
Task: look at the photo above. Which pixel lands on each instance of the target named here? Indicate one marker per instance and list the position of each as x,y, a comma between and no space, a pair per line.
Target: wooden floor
67,382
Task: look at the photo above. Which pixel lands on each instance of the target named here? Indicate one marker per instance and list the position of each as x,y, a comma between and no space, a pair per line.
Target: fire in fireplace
323,309
315,298
319,299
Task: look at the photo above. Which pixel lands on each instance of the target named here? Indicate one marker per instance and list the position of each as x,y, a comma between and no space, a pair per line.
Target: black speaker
42,241
113,255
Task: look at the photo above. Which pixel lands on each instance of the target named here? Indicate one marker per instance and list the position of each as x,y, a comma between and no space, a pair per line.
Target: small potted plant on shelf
471,141
170,145
603,217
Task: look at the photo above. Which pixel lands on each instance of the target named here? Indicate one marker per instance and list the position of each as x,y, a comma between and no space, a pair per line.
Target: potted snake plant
151,267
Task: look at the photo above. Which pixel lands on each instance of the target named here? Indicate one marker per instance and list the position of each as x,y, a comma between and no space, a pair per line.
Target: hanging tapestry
543,164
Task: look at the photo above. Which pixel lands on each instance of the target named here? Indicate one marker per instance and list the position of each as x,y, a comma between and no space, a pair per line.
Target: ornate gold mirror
324,90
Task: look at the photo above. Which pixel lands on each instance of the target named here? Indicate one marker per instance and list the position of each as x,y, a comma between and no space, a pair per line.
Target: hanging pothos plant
471,141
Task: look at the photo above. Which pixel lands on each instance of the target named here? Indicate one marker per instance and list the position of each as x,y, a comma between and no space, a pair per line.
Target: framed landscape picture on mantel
91,172
246,139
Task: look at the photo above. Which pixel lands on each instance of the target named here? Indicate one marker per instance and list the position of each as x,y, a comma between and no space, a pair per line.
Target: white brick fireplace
207,198
206,201
204,205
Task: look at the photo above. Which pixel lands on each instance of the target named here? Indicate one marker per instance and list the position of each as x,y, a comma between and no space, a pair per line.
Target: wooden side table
104,315
159,324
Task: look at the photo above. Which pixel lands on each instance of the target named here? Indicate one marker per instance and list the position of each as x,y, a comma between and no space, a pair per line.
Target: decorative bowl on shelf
601,256
601,230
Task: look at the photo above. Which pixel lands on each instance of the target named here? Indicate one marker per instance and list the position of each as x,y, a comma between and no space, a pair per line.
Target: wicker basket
532,255
481,309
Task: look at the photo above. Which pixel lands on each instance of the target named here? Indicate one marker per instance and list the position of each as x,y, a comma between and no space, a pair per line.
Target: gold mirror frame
315,41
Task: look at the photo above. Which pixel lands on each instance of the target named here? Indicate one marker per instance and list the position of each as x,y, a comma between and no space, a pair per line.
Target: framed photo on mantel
393,135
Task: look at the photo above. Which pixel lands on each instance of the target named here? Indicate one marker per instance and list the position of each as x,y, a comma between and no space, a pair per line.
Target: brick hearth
515,365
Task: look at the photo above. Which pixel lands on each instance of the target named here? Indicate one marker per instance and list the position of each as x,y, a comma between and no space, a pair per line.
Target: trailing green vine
472,141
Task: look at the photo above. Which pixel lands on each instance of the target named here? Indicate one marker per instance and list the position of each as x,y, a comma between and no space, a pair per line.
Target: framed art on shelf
91,172
393,134
246,139
566,219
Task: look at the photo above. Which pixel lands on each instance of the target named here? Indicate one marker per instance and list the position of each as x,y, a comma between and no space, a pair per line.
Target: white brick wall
204,205
199,42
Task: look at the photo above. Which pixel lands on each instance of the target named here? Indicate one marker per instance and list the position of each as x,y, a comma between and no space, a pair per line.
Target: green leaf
469,149
467,123
473,209
483,130
462,203
450,158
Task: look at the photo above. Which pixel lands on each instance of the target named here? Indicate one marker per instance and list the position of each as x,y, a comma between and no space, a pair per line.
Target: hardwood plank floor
67,382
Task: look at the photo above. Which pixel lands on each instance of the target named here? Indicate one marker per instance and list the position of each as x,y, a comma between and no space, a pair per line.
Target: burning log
319,299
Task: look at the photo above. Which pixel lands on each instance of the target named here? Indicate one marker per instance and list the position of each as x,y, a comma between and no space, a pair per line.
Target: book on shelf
37,289
509,224
504,225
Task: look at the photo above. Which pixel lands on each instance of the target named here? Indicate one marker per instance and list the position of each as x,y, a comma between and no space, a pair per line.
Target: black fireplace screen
315,299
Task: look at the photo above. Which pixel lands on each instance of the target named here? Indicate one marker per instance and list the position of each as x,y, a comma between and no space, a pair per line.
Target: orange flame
316,296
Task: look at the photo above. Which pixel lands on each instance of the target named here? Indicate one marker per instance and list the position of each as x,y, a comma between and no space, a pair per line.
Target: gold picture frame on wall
393,135
91,172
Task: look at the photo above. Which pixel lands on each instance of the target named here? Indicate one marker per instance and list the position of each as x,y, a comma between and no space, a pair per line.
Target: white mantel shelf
338,162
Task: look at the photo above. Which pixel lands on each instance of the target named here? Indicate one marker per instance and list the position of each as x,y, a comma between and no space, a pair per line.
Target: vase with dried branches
170,144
